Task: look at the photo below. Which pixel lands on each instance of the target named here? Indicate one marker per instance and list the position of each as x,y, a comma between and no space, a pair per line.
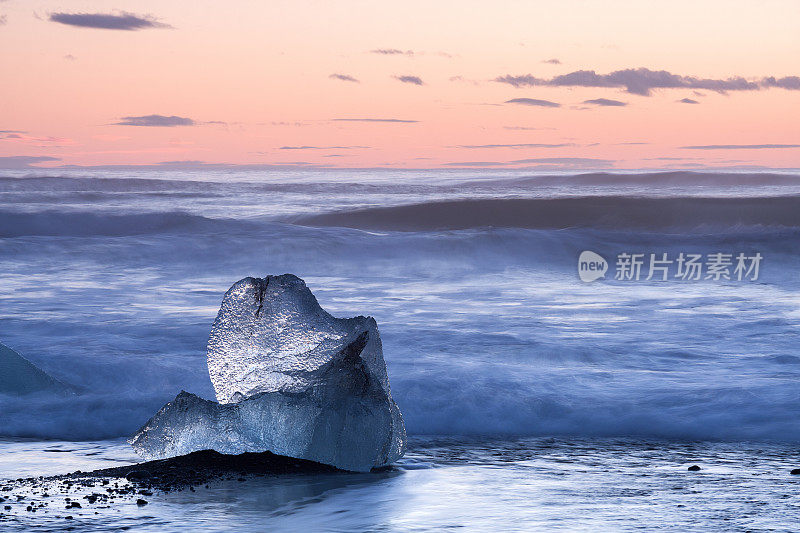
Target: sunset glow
420,85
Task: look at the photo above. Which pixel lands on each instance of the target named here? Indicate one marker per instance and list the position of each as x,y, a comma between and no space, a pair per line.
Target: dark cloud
343,77
24,161
583,162
414,80
155,121
642,81
107,21
521,81
3,20
553,61
789,82
25,138
739,146
573,161
605,102
533,101
392,52
524,145
374,120
688,101
476,164
322,147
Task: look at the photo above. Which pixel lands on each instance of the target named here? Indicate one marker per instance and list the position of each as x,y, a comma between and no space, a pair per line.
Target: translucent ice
291,379
20,376
271,334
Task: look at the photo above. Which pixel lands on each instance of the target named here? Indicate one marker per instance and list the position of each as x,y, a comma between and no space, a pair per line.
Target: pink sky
239,82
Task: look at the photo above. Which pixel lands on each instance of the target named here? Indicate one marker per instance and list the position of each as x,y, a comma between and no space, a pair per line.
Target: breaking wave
604,212
86,224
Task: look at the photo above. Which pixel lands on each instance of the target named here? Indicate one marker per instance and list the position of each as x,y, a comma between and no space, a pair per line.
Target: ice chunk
271,334
290,379
20,376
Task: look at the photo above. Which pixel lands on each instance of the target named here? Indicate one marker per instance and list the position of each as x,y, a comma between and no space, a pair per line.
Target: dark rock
170,475
137,475
795,472
197,468
693,468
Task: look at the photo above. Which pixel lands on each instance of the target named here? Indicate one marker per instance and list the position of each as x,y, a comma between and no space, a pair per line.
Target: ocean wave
600,212
87,224
384,180
660,179
93,183
465,403
164,185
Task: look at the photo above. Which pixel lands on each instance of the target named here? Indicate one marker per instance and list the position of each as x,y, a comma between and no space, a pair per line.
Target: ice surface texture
291,379
20,376
271,335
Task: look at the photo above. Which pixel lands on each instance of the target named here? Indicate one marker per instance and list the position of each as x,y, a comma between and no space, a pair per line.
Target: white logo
591,266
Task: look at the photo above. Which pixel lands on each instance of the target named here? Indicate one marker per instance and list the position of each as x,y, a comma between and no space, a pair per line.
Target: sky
501,84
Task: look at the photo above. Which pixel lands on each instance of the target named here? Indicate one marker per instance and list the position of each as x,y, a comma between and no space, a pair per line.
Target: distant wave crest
606,212
85,224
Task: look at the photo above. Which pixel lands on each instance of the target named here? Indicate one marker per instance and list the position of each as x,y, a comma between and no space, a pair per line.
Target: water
531,484
110,281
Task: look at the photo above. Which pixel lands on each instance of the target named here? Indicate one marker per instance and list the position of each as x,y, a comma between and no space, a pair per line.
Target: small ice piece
290,379
20,376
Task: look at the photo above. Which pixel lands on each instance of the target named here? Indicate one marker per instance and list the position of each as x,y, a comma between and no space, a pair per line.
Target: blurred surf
111,280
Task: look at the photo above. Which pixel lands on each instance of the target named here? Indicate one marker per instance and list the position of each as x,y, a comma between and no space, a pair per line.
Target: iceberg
290,379
20,376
